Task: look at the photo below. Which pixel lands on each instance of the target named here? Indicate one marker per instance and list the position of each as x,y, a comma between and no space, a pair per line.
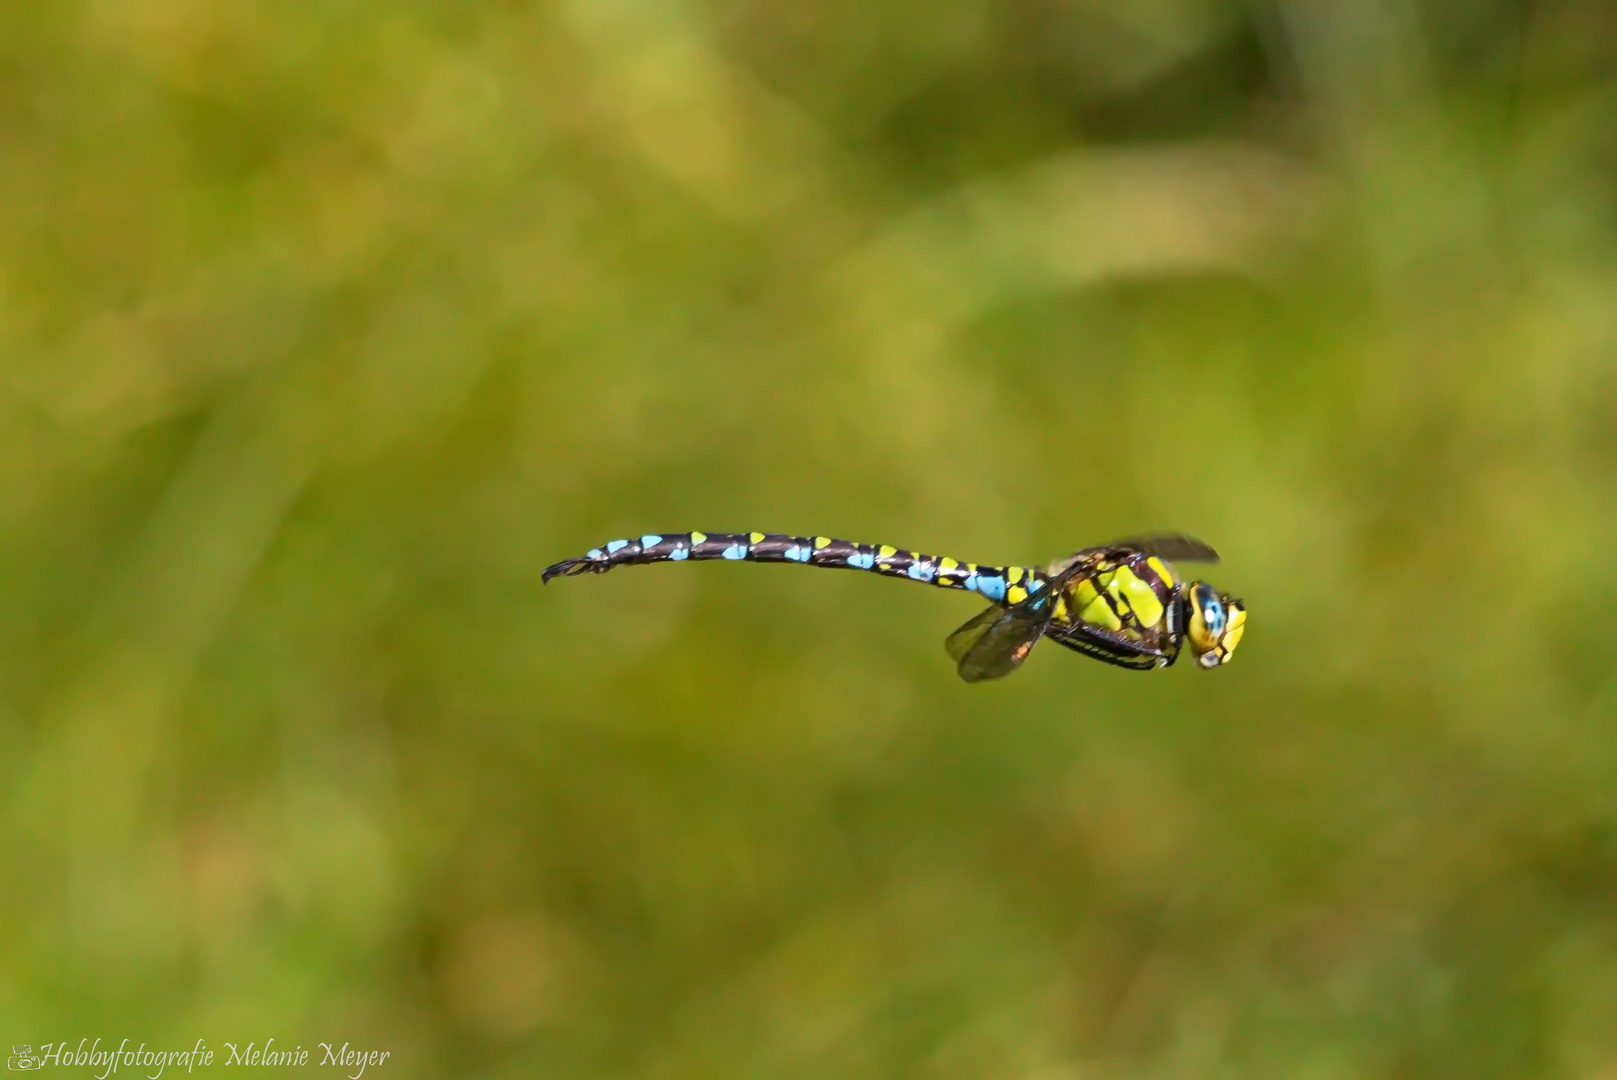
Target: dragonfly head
1214,623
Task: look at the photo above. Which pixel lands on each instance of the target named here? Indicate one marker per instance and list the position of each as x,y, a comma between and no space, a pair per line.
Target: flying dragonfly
1122,603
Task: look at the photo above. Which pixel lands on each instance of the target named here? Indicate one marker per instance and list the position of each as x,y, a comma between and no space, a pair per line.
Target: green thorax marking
1133,596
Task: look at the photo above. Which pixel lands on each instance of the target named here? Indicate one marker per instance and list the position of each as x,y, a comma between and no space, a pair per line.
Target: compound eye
1206,618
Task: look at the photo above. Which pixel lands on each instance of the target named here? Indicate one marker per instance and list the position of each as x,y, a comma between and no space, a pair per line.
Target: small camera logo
22,1059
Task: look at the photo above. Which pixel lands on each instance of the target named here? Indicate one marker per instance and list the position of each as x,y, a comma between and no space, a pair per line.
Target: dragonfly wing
994,642
1175,547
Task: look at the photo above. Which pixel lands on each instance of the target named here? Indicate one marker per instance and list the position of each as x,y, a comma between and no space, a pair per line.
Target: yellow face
1215,624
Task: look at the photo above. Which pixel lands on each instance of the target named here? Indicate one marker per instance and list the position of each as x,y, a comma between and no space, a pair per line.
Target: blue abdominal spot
921,572
797,554
736,551
861,560
991,587
650,540
680,554
616,546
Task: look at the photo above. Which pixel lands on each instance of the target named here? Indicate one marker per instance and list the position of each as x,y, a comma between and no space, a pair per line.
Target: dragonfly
1122,603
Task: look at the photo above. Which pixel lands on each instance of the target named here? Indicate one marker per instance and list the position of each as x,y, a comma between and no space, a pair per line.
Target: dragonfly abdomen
999,584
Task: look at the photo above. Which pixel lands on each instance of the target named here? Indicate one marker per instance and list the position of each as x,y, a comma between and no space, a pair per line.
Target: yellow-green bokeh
326,326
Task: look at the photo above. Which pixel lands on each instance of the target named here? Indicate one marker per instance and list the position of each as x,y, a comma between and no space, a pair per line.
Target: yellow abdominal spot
1015,594
821,541
946,564
698,538
886,551
1138,595
755,537
1013,574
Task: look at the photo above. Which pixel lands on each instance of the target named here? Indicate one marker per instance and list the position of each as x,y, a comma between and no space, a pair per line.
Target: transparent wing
1175,547
994,642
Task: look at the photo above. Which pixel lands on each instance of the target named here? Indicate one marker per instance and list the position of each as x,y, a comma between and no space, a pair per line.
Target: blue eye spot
1213,617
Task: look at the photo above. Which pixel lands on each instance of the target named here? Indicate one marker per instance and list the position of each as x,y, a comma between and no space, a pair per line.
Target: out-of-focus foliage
327,325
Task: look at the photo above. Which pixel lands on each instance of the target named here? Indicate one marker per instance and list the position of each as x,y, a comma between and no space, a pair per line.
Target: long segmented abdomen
1001,584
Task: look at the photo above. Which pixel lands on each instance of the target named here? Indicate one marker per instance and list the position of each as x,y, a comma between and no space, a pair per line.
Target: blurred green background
326,326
